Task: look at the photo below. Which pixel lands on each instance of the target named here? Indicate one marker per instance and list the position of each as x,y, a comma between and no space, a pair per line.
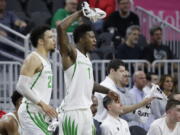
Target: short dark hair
106,101
114,64
171,103
15,97
154,29
132,28
148,75
38,33
80,31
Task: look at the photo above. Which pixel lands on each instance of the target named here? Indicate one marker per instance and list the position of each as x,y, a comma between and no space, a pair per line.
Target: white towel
156,92
93,14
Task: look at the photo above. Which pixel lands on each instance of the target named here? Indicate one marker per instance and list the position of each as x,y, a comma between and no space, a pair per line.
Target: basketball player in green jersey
35,84
76,117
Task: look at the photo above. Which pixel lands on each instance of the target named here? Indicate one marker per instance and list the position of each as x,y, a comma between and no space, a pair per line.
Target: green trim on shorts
38,119
93,130
69,127
36,79
75,66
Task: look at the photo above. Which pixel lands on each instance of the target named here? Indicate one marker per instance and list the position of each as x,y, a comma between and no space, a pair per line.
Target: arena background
40,12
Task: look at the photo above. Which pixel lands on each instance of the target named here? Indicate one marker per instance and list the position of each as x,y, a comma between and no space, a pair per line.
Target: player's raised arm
66,48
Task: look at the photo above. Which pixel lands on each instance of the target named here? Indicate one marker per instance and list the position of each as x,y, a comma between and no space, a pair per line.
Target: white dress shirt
114,126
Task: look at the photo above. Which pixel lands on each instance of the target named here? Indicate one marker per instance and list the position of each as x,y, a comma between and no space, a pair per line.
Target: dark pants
56,132
135,130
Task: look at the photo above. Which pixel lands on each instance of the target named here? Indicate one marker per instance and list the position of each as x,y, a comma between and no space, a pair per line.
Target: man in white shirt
113,124
169,124
117,80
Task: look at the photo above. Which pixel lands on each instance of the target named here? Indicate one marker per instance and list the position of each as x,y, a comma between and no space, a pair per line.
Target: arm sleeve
23,87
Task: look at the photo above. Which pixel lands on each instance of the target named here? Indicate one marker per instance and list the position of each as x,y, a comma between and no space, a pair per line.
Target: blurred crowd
118,35
138,113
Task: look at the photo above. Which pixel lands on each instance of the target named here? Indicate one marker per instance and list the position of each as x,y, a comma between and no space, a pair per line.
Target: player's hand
148,100
93,14
114,96
49,110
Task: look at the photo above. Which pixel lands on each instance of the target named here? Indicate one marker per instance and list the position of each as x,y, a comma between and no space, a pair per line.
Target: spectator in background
144,115
113,124
130,50
152,78
158,106
94,110
115,69
167,84
156,50
170,123
9,19
70,7
130,106
121,19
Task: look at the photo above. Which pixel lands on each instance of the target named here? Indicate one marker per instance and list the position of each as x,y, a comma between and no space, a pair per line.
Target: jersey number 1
89,72
49,81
